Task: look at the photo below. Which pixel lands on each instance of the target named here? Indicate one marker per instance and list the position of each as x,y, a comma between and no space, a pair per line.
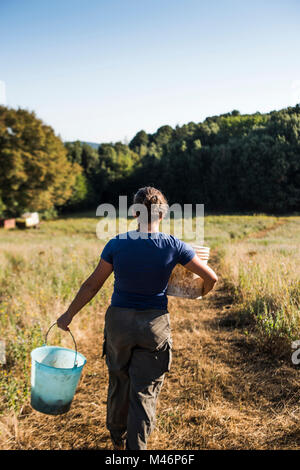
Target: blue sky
100,70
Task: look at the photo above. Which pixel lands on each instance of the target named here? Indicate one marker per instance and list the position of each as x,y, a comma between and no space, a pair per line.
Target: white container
31,218
184,283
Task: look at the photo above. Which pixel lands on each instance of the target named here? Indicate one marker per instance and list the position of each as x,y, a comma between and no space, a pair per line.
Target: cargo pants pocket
163,356
170,354
147,365
168,350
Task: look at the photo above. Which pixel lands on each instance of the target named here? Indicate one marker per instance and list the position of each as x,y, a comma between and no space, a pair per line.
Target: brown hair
154,200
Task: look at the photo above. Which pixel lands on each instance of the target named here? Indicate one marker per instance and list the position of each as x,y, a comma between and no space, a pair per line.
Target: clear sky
101,70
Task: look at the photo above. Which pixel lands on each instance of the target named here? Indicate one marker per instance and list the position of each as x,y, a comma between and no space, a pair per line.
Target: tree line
231,162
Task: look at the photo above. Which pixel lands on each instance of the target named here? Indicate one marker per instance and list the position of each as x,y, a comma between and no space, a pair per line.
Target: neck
150,228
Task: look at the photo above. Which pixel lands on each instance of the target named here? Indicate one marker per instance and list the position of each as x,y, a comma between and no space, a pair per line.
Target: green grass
220,230
264,275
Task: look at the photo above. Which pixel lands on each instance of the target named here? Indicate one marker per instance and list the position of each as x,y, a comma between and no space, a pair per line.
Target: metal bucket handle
75,361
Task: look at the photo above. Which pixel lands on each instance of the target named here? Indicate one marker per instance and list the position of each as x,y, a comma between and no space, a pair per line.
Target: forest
245,163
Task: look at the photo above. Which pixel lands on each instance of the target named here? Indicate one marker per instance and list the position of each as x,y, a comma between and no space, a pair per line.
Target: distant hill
231,162
92,144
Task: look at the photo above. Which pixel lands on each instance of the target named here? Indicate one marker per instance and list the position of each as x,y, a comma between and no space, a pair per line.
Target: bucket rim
62,349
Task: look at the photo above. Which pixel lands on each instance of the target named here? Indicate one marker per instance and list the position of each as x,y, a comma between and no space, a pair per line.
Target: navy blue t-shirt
142,267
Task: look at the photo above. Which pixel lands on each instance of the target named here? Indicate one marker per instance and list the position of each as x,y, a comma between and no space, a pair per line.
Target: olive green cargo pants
137,345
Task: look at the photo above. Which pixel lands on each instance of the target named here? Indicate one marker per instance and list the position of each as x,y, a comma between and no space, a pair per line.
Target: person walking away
137,335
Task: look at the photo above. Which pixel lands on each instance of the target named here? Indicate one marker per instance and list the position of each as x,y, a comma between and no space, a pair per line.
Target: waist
150,311
139,301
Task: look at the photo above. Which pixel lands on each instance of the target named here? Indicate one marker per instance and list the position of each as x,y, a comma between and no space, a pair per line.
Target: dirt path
221,393
262,233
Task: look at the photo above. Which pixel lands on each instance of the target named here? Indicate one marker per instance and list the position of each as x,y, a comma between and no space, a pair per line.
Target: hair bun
154,199
151,196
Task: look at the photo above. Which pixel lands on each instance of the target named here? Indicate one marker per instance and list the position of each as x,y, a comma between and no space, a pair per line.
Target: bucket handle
75,361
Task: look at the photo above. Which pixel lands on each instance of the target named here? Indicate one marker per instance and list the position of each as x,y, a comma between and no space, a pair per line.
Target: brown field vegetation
225,390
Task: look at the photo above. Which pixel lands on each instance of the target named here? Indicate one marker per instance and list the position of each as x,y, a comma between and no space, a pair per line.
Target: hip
148,328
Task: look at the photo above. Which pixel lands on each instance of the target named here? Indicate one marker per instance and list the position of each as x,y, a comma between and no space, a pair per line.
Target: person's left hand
63,321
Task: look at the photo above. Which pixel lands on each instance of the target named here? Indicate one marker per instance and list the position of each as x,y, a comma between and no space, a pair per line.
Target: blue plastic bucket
55,373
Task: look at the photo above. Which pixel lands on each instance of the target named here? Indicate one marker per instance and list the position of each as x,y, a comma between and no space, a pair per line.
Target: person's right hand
63,321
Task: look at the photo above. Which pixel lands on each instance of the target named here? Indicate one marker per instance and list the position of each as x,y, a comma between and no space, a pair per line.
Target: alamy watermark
296,353
183,221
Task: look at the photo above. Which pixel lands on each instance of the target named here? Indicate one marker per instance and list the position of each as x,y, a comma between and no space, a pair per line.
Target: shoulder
181,246
171,240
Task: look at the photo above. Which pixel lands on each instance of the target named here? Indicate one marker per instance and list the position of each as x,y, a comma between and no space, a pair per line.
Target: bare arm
87,291
197,266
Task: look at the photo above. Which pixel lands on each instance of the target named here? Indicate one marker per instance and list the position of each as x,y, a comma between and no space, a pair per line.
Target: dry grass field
232,384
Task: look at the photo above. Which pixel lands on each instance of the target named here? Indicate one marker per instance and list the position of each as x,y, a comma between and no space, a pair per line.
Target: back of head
154,201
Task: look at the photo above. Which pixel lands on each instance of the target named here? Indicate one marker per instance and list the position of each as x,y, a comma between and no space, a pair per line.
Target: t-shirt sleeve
107,253
185,253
